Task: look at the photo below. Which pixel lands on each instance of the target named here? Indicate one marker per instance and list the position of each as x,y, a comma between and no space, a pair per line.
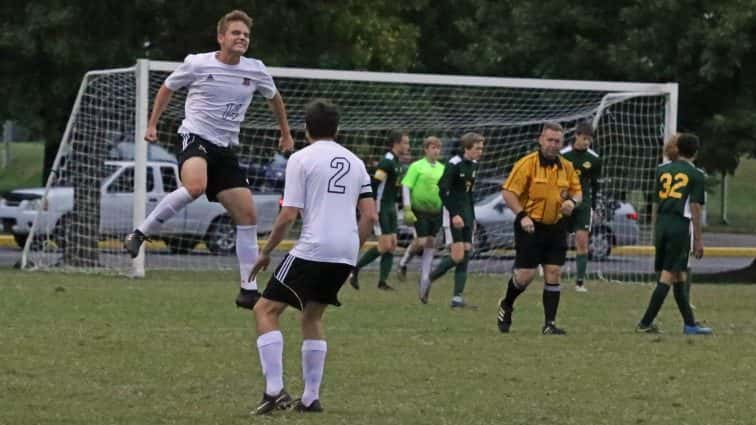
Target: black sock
683,303
551,294
513,291
655,304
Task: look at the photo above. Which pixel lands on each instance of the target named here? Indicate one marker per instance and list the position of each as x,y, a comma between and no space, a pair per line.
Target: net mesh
89,209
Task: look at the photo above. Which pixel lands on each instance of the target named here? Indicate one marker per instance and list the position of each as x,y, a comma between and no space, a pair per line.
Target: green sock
387,260
445,264
683,303
582,264
368,257
655,304
460,276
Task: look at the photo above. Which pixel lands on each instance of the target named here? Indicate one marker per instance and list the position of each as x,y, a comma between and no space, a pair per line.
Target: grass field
171,349
741,208
25,168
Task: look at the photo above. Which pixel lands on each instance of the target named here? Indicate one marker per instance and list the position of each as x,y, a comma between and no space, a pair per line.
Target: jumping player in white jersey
221,85
325,182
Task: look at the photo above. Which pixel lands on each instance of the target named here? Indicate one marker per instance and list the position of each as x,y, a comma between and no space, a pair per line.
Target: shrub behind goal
103,158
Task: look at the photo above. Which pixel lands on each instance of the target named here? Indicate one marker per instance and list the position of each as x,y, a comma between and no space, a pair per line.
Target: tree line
707,47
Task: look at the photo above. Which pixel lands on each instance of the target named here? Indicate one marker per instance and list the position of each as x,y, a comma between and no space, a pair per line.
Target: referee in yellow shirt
542,189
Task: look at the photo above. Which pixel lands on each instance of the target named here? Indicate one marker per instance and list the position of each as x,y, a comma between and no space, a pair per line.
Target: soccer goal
105,179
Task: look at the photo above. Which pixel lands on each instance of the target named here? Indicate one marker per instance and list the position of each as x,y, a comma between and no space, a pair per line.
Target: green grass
172,349
741,208
25,168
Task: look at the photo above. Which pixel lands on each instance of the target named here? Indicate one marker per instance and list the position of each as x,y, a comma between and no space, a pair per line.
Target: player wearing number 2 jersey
680,196
325,182
220,88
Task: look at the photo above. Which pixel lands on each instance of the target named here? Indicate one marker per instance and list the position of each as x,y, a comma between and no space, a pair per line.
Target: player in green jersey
456,190
422,206
588,167
386,186
680,197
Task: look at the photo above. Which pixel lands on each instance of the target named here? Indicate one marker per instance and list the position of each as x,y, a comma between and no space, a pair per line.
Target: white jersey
326,180
219,95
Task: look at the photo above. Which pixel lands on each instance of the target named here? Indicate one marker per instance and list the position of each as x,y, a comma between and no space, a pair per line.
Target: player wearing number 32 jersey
680,196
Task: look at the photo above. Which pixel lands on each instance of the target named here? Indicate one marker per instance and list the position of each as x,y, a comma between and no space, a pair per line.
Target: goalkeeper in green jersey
588,167
422,206
386,187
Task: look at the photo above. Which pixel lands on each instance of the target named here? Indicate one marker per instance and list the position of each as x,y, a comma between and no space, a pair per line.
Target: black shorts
546,245
297,282
223,170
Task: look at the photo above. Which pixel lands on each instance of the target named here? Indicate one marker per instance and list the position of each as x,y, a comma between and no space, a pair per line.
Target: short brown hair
234,15
321,119
688,144
468,140
431,140
395,136
553,126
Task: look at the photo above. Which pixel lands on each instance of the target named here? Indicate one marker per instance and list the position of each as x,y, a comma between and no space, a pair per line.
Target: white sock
270,347
171,204
313,362
246,252
405,259
425,266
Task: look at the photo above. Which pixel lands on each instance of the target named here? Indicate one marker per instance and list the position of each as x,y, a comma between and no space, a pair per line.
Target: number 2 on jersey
342,167
671,186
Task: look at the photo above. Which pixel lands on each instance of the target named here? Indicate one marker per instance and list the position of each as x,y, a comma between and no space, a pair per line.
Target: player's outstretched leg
506,304
165,209
367,258
654,305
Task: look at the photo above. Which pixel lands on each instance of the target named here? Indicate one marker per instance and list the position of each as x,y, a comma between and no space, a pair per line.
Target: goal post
117,178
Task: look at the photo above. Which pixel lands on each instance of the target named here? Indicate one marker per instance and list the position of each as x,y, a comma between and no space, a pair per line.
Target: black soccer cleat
133,242
385,286
247,298
354,279
647,329
551,329
504,317
270,403
314,407
401,274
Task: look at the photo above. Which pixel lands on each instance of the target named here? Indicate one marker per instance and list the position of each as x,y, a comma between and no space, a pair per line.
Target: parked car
268,176
495,227
201,220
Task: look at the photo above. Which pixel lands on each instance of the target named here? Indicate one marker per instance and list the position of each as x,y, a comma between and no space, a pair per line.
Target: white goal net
100,176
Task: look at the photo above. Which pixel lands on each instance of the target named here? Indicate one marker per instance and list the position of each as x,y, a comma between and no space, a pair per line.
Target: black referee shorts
223,170
297,282
546,245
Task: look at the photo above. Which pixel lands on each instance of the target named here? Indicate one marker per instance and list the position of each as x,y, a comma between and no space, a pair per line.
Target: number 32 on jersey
671,185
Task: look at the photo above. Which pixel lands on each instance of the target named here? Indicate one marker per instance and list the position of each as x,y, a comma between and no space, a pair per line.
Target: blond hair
234,15
670,147
431,141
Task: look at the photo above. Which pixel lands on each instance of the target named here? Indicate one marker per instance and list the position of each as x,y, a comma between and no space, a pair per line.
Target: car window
124,183
170,181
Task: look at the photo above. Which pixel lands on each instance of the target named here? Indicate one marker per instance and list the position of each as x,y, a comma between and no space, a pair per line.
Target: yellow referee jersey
542,185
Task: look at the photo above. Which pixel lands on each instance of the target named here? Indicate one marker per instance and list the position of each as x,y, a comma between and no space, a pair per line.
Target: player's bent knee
524,276
195,189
